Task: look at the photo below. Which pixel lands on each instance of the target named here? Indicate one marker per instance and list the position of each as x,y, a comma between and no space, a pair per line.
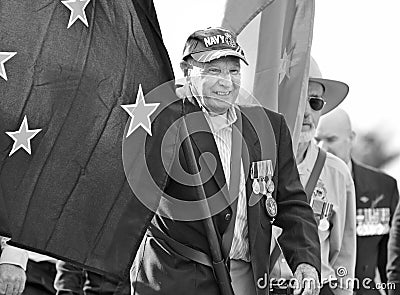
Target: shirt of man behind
334,186
338,240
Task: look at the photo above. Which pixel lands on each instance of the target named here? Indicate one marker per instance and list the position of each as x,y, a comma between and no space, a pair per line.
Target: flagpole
221,272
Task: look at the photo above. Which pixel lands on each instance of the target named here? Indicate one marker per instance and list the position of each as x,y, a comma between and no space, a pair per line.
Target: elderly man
174,255
330,189
376,198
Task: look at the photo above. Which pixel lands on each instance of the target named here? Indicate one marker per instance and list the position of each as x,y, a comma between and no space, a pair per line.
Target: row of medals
373,221
261,173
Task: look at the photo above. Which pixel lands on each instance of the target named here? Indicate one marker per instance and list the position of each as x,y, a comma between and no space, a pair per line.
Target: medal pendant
270,206
256,186
323,224
270,186
263,187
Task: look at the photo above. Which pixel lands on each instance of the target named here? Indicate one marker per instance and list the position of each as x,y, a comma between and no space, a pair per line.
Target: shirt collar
350,165
218,122
308,162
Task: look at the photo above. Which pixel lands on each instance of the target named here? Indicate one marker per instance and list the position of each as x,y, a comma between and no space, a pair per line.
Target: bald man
376,199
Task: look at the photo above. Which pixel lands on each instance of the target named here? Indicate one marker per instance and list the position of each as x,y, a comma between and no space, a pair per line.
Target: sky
354,41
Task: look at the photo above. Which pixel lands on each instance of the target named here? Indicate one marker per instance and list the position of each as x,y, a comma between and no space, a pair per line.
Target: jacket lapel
204,143
364,192
359,178
251,152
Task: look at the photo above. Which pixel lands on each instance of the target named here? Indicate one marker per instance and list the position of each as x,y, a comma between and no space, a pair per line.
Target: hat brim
215,54
335,92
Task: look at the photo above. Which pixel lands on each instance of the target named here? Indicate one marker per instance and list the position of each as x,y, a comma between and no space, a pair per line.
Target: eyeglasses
316,102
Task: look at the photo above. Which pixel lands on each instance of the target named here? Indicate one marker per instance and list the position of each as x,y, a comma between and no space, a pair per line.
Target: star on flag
285,64
4,56
22,137
77,8
140,113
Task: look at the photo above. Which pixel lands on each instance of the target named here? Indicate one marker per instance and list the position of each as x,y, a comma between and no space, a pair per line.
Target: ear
185,67
352,136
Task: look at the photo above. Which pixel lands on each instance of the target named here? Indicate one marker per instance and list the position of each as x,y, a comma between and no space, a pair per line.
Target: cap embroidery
229,40
213,40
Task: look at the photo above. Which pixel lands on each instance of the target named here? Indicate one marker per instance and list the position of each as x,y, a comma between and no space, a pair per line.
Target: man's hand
12,279
307,280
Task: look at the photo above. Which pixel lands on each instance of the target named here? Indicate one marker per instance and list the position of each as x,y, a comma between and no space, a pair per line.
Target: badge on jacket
321,208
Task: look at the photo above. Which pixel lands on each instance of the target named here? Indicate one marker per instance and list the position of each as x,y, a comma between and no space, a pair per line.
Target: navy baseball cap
212,43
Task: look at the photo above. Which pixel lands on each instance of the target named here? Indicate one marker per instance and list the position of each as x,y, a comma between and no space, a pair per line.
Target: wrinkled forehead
315,88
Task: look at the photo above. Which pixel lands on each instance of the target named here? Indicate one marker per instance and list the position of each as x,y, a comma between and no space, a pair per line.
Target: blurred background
355,41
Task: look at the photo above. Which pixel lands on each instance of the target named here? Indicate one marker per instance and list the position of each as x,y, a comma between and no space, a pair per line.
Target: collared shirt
221,126
350,165
338,243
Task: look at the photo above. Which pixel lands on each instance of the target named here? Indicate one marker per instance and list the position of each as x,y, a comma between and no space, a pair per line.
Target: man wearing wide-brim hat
258,172
330,189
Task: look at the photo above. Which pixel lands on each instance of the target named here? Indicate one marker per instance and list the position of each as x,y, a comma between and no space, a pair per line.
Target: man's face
336,143
334,134
217,82
311,117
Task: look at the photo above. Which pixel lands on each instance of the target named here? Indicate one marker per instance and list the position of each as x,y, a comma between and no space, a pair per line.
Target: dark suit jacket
373,189
158,269
393,266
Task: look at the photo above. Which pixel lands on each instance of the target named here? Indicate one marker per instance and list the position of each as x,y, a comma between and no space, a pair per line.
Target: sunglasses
316,102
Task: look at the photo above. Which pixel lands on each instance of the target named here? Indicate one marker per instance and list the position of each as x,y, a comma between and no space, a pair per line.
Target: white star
285,65
77,8
22,137
4,56
140,113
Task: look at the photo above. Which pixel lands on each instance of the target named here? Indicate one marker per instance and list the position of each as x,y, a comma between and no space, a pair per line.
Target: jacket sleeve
393,266
383,249
299,239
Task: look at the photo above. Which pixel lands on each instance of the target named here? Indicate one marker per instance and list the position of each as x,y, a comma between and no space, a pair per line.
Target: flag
76,63
277,37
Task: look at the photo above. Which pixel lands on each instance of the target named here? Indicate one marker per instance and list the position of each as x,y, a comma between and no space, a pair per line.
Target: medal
320,191
270,203
317,206
380,228
270,186
263,187
256,186
361,230
257,173
270,206
323,210
323,224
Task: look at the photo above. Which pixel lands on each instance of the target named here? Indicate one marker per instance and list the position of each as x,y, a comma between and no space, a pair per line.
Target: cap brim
215,54
335,92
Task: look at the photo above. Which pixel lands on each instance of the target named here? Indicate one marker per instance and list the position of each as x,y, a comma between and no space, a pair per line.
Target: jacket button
228,216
